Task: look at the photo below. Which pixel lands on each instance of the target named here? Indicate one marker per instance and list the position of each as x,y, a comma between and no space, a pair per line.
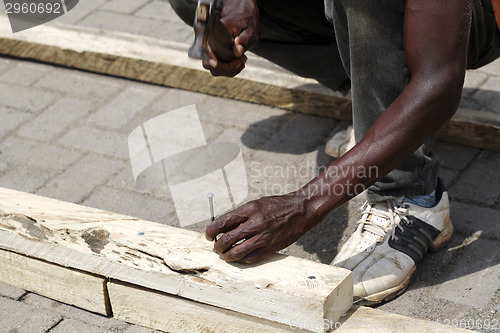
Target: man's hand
241,19
265,225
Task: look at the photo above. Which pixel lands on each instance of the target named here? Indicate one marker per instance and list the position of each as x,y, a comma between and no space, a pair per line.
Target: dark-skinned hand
266,225
241,19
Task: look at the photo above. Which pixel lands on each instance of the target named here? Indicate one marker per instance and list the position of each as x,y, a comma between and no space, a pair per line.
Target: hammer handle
220,40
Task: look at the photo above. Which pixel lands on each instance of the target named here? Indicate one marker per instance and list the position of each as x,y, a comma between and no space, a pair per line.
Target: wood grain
63,284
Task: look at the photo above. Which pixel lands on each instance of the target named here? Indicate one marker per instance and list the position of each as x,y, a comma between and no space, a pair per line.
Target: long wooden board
65,285
170,260
166,63
147,308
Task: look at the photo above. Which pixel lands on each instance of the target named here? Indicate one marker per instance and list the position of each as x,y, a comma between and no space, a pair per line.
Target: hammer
208,30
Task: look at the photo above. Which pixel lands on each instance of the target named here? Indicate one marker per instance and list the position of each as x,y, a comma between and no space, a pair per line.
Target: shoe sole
391,293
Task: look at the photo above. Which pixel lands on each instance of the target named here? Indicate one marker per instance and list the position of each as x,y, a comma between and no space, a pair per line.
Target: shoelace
395,212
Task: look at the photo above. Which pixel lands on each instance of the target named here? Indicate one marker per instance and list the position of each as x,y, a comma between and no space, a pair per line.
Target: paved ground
63,134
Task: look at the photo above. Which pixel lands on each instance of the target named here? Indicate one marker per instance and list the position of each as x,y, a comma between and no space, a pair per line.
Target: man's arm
436,39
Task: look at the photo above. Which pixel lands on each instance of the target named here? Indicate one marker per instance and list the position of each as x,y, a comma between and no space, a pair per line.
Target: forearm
414,116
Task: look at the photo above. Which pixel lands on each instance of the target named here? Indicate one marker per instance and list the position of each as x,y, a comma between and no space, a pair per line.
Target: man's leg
296,36
370,39
394,231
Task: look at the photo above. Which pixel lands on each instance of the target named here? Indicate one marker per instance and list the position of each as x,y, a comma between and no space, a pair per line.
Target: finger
256,255
224,223
212,61
247,39
244,249
220,68
230,238
238,48
229,69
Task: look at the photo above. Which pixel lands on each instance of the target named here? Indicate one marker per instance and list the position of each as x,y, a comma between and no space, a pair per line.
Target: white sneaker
340,143
392,236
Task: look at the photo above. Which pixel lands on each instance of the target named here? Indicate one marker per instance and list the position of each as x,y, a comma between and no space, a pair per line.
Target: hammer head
204,12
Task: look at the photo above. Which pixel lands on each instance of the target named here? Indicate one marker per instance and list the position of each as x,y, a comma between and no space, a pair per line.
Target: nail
210,196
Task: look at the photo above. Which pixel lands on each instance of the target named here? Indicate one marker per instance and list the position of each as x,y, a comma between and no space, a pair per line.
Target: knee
185,9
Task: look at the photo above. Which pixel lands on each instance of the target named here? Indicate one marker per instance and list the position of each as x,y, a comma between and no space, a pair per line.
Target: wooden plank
65,285
363,319
169,313
166,63
473,128
148,308
170,260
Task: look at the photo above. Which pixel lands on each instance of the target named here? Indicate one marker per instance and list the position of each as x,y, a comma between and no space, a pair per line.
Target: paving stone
471,103
85,176
454,156
126,105
6,290
492,68
133,204
175,98
125,181
56,119
78,83
303,133
25,73
83,9
226,112
119,22
70,325
248,140
490,93
448,176
5,64
107,143
473,81
22,152
174,31
475,277
73,313
26,179
479,183
24,98
159,10
3,166
11,119
468,219
21,318
124,7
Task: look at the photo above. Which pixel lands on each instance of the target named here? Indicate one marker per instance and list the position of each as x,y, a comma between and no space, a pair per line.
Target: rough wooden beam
170,260
364,319
166,63
146,307
65,285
